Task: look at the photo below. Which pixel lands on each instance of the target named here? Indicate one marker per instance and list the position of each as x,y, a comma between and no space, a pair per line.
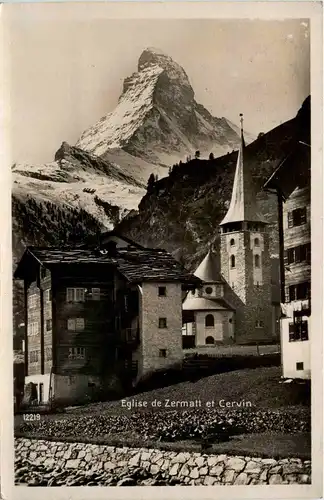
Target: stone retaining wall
49,463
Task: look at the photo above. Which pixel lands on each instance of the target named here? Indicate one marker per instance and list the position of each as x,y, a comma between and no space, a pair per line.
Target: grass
265,445
260,386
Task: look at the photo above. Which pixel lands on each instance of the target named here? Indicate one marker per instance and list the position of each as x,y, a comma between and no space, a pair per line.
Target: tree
150,183
197,155
211,156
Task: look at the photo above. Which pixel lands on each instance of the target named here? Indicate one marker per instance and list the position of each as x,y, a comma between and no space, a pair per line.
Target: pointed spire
243,205
209,269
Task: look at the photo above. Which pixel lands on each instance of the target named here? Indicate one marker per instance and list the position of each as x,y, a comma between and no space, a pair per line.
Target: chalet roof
243,206
135,264
209,269
203,304
292,172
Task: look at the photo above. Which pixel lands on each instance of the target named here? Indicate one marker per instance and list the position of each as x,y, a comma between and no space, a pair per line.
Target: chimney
111,247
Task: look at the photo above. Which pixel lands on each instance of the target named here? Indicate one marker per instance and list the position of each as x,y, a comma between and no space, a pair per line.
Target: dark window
210,340
162,291
209,321
162,353
209,290
232,242
259,324
298,254
48,325
298,331
300,291
162,323
230,320
299,366
257,260
232,261
256,242
297,217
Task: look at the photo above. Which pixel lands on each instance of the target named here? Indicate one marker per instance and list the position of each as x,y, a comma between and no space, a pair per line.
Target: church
235,304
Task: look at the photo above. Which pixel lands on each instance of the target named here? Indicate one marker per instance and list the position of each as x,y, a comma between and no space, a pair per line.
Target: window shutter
303,252
79,294
79,324
70,294
287,294
308,252
303,215
297,254
71,324
95,293
290,219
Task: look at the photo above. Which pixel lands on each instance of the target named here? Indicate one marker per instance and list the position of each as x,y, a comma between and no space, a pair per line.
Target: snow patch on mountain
80,188
117,127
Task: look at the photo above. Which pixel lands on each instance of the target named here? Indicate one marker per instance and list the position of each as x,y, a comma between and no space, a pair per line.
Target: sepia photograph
161,227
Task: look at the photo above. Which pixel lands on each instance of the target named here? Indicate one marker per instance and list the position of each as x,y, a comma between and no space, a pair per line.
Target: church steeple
243,206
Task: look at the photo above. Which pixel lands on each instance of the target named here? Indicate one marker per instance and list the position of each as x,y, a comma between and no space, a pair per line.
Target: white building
210,319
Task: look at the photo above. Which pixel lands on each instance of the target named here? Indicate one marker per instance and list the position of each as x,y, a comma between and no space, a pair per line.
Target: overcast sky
67,73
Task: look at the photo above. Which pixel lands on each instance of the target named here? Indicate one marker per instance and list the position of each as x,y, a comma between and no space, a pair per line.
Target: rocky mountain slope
182,211
155,122
158,119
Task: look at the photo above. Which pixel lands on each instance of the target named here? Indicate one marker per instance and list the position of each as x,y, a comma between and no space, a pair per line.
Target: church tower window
232,261
257,261
232,242
209,321
256,242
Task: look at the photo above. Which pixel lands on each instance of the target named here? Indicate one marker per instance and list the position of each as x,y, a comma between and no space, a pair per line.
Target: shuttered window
300,291
33,329
298,254
75,294
75,324
76,353
297,217
298,331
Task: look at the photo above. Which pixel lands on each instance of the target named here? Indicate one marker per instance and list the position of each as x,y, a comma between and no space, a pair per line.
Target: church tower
245,257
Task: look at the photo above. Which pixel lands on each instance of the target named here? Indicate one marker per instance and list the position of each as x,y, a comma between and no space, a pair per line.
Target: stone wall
49,463
255,300
154,338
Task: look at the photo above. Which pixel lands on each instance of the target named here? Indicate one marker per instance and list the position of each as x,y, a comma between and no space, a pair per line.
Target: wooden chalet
99,318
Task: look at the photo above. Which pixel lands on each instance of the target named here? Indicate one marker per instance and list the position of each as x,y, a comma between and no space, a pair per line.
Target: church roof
209,269
243,206
202,304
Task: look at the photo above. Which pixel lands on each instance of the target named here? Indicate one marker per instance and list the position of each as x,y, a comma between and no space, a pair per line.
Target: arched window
210,340
232,242
257,260
232,261
256,242
209,321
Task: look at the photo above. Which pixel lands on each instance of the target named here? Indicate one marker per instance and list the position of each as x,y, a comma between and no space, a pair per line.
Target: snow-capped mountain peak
157,117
